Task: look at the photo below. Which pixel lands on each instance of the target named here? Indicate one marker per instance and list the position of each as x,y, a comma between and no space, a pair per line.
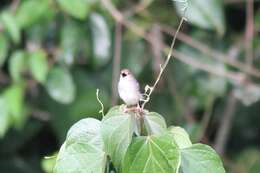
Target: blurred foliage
54,54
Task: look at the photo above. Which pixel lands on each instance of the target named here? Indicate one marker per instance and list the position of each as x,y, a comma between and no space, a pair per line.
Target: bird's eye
124,74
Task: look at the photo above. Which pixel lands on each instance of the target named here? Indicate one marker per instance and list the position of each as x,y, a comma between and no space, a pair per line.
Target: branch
180,101
225,124
249,33
142,5
211,52
156,46
116,62
232,76
14,5
41,115
206,118
4,79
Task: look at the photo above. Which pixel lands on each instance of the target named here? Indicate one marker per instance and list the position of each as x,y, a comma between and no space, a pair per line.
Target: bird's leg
129,109
136,109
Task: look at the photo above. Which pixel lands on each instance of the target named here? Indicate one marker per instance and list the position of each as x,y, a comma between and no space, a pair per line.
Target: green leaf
101,39
181,137
204,13
40,10
152,154
71,35
85,130
17,65
60,85
38,65
4,116
77,8
82,151
154,123
15,98
4,45
200,158
117,129
11,25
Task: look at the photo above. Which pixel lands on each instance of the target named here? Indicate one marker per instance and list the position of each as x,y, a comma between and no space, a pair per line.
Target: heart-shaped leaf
152,154
200,158
117,130
154,123
82,150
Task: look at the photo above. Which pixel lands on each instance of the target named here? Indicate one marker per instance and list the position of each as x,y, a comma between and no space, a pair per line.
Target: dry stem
149,90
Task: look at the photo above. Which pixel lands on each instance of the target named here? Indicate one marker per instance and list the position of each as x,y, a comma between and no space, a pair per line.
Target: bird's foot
134,109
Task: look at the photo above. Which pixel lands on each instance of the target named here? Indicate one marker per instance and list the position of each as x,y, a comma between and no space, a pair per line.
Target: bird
128,88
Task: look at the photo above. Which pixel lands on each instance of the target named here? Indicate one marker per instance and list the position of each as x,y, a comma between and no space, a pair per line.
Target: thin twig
41,115
15,5
108,166
1,28
142,5
225,124
249,33
156,47
116,61
206,118
4,79
180,100
232,76
114,12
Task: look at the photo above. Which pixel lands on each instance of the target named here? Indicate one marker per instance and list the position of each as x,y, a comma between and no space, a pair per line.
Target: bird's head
125,73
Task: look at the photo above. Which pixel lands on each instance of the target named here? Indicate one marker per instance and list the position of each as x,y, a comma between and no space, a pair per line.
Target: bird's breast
129,92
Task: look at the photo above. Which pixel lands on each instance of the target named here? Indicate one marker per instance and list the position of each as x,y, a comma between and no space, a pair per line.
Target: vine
149,89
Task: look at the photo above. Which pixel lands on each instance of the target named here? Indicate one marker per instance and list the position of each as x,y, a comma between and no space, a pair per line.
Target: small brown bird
128,88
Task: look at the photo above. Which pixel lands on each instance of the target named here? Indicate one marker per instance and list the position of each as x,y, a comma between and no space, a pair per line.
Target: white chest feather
128,89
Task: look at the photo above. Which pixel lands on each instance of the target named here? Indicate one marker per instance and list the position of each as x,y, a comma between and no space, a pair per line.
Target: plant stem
151,89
